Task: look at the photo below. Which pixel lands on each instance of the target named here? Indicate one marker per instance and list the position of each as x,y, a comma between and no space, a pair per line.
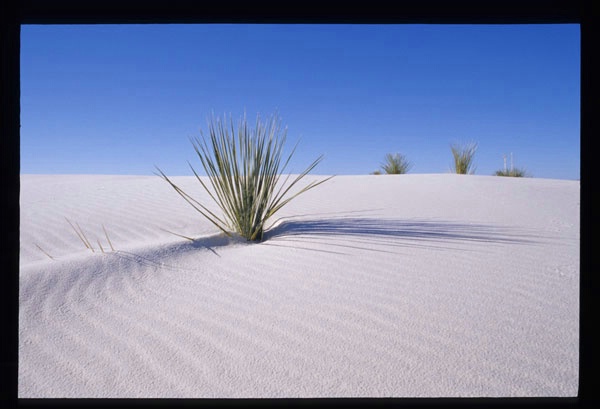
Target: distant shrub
377,172
395,164
512,172
515,172
463,158
243,168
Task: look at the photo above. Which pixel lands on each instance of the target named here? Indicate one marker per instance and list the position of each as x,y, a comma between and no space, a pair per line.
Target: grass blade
44,251
86,240
108,239
180,235
78,234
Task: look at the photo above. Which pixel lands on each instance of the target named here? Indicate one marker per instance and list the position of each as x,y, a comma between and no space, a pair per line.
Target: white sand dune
367,286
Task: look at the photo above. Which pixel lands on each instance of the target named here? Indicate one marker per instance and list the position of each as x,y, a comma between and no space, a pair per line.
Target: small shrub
515,172
396,164
463,158
377,172
243,169
512,172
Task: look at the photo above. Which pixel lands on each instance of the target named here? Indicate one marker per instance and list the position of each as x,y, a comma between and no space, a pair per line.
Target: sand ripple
348,304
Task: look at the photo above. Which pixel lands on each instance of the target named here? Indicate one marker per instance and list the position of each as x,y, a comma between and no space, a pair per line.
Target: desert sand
433,285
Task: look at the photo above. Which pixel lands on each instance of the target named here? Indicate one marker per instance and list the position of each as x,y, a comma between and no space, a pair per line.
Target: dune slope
367,286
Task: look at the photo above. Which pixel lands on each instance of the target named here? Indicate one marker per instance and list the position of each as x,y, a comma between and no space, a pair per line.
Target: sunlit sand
435,285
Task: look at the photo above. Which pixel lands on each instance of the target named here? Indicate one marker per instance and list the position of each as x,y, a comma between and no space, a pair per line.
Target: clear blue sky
119,99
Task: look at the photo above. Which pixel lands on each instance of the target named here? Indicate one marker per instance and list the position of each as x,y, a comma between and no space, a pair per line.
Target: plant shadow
369,229
358,233
155,257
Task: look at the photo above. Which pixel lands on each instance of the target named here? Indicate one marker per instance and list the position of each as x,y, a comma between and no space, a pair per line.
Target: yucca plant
463,158
244,169
515,172
396,164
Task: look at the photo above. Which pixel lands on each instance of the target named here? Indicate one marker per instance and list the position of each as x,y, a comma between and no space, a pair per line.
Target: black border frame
14,14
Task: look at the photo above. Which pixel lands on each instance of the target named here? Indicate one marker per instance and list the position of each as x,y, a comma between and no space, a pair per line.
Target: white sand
371,286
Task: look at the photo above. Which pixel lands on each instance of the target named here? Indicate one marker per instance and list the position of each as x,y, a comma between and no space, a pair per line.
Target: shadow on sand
377,228
357,233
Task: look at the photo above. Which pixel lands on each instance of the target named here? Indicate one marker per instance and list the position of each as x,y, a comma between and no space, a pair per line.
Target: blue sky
119,99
